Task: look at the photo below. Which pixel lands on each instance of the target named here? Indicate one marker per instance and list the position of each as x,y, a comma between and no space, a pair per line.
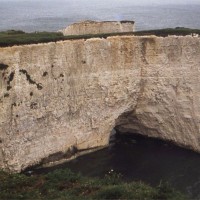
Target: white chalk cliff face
95,27
71,94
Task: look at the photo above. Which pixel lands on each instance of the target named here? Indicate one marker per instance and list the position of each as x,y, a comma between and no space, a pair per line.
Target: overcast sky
129,1
158,1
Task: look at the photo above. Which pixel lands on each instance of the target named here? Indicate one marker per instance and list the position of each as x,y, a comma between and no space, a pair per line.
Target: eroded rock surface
95,27
71,94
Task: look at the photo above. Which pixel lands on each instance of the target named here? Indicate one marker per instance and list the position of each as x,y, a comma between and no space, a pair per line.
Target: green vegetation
181,31
12,37
64,184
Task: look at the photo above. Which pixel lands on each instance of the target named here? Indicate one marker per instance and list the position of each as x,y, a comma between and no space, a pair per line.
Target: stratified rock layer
71,94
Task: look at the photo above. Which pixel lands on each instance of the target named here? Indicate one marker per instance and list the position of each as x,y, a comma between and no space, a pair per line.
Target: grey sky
128,1
158,1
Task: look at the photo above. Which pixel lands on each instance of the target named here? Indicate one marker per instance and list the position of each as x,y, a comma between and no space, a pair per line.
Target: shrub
112,178
64,184
63,175
111,192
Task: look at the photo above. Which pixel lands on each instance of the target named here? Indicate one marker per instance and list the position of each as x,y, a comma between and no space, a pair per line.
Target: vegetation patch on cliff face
64,184
3,66
30,80
12,37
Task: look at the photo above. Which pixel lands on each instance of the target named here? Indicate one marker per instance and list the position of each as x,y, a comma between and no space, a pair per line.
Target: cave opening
128,125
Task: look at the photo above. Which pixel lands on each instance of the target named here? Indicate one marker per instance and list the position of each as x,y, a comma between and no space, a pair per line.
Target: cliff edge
95,27
55,97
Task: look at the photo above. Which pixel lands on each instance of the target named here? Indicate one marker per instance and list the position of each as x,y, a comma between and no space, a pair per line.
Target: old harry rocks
71,94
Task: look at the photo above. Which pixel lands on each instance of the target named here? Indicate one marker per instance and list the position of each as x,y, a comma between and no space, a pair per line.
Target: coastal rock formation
95,27
69,95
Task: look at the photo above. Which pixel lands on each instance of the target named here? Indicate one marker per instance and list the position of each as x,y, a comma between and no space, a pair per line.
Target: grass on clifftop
64,184
12,37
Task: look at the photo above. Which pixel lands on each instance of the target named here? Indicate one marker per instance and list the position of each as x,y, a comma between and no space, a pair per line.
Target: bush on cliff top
12,37
64,184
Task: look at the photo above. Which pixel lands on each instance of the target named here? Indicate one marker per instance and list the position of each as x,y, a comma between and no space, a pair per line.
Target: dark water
52,15
142,159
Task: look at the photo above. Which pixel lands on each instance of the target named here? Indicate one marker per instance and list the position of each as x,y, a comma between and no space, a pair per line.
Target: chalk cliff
95,27
70,95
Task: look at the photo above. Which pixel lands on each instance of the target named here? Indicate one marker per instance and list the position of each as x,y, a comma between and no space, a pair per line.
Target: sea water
52,15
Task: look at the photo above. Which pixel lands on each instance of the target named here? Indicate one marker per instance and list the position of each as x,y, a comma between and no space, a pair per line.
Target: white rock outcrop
71,94
95,27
